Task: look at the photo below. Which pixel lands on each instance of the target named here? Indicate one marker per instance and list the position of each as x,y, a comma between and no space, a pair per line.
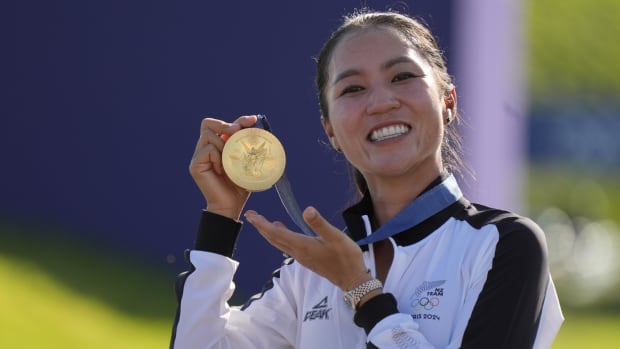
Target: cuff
217,234
375,310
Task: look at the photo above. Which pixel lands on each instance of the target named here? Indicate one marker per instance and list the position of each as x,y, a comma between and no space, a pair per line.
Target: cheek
345,133
342,134
342,116
434,134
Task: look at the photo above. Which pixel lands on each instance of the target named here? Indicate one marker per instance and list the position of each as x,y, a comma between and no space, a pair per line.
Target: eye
404,76
351,89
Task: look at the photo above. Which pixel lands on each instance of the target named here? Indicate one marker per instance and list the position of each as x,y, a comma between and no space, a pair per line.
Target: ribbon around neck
420,209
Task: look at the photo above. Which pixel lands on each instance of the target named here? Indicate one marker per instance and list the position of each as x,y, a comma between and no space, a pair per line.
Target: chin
392,170
404,168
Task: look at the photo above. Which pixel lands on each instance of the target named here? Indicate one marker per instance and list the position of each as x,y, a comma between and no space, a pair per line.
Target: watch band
353,297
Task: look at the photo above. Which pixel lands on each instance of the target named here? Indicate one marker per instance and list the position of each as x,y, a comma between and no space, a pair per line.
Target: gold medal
253,159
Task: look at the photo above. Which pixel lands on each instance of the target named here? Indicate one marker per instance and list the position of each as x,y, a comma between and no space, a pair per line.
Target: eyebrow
392,62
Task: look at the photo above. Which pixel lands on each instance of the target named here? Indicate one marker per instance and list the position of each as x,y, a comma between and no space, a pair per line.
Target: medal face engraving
253,159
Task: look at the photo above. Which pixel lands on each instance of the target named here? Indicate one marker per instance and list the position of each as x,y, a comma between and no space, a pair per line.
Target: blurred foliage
60,292
579,210
41,312
592,330
573,191
577,191
574,48
85,267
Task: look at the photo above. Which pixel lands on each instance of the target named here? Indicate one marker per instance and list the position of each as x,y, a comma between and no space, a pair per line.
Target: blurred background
101,103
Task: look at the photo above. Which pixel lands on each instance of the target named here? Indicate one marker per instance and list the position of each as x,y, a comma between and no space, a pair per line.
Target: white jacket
468,277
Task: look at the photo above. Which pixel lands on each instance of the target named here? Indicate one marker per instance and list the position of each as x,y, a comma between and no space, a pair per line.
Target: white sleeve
205,320
398,331
386,328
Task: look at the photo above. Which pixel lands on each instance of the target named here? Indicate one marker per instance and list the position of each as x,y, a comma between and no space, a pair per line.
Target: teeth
388,132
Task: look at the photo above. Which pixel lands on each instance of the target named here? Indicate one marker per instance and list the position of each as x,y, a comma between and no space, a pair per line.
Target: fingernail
311,212
249,216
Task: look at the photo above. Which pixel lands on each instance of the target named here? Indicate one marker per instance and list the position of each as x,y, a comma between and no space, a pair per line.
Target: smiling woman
379,84
419,266
420,54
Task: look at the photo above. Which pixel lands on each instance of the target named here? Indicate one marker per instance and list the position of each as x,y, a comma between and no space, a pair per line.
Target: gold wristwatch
353,297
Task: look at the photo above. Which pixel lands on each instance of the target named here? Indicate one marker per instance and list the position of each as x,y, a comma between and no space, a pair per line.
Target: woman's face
385,109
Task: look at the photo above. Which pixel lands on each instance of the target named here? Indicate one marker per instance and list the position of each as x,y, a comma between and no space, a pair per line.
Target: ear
329,131
450,105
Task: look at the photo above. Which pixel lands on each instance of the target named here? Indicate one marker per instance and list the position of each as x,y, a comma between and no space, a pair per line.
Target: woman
435,271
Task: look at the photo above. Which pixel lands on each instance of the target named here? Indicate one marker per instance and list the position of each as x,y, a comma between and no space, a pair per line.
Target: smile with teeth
388,132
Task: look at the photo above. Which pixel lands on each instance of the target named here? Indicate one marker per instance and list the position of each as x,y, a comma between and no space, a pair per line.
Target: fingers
222,127
206,158
246,121
276,233
288,241
213,134
320,225
211,131
215,131
332,255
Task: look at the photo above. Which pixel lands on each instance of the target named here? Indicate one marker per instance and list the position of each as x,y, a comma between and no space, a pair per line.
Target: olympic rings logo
425,303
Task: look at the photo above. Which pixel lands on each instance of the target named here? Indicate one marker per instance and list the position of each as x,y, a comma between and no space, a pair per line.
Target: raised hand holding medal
254,159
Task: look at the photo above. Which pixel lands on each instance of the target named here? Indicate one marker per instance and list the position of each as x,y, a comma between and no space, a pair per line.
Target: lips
388,132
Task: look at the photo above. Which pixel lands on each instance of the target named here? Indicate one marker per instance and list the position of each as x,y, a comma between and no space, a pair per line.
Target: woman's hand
222,195
332,254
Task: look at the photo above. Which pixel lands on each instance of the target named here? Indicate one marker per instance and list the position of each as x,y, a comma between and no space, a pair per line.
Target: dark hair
420,37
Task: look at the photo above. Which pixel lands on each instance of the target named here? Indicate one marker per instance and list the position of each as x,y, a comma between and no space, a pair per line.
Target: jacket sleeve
515,295
386,328
204,318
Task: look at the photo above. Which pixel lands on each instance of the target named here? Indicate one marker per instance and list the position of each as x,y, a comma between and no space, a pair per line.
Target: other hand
331,254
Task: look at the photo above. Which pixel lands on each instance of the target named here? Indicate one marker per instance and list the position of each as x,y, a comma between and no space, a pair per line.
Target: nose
380,100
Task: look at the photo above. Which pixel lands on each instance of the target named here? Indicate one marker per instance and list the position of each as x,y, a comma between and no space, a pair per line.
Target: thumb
319,224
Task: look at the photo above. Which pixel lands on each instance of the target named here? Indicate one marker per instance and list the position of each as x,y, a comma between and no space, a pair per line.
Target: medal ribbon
284,189
420,209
